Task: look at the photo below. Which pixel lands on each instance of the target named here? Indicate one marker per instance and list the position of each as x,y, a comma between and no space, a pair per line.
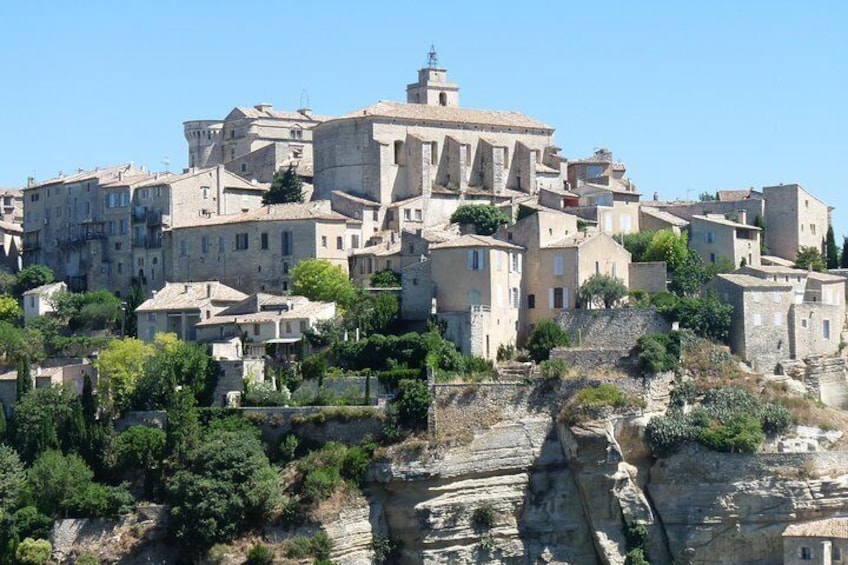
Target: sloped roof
827,528
381,249
46,289
724,222
190,296
825,277
474,240
664,216
255,310
736,195
103,175
576,239
447,114
268,112
315,210
232,180
750,281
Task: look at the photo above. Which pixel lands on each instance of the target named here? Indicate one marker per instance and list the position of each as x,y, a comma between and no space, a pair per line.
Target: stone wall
148,418
650,276
232,375
589,357
346,424
611,329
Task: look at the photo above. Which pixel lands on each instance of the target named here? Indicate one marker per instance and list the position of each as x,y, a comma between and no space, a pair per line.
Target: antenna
166,161
432,57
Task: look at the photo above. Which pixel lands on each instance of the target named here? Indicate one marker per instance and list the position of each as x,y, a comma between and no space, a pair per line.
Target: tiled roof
382,249
266,111
776,270
233,180
448,114
773,260
104,175
440,233
827,528
190,296
315,210
46,289
292,308
750,281
825,277
357,199
573,240
724,222
474,240
736,195
664,216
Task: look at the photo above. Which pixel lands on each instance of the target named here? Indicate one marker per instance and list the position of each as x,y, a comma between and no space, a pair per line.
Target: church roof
447,114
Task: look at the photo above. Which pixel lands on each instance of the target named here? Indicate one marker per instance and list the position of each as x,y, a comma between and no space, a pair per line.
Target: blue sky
691,96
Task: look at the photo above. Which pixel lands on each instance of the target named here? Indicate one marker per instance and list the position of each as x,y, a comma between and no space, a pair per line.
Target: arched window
443,99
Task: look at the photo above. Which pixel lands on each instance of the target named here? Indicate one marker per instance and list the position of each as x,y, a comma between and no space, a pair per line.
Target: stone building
255,251
382,256
431,154
254,142
781,313
823,542
477,282
656,219
265,319
797,218
180,306
11,205
560,259
38,301
11,243
713,237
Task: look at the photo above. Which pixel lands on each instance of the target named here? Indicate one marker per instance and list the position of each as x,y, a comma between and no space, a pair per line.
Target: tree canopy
831,251
319,279
32,277
120,365
486,218
286,187
810,257
668,247
545,336
601,289
10,311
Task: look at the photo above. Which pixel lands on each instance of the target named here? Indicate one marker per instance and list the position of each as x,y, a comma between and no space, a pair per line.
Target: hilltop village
389,336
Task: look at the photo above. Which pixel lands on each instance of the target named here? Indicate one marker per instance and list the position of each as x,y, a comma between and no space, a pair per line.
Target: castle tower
433,87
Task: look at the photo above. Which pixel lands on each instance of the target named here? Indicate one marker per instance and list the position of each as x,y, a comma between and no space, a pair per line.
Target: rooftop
102,175
664,216
262,307
575,239
474,240
267,111
190,296
737,195
724,222
46,289
447,114
827,528
233,180
750,281
314,210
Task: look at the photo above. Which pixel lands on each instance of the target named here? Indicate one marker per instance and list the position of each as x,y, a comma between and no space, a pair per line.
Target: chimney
289,304
120,175
30,182
742,216
208,291
186,288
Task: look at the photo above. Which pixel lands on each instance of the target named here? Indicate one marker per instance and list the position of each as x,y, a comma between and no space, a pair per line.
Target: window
256,329
398,160
296,133
407,213
475,259
559,266
804,323
205,191
125,227
826,329
204,244
183,248
151,316
244,167
557,294
222,244
339,242
473,297
375,215
836,554
813,229
597,267
285,268
354,241
756,296
709,237
324,241
288,242
515,298
443,99
434,153
263,241
418,214
806,554
241,241
531,301
758,319
778,319
712,257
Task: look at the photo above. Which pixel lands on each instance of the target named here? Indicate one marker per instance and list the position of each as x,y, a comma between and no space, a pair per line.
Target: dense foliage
286,187
810,257
545,336
601,290
319,279
658,352
708,317
485,218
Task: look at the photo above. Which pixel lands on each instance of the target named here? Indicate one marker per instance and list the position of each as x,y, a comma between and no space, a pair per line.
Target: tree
97,310
16,343
545,336
24,379
32,277
486,218
286,187
89,404
142,449
228,487
318,279
760,223
843,257
9,309
119,366
831,251
372,313
385,279
668,247
810,257
603,289
135,297
45,418
12,479
33,552
637,244
413,403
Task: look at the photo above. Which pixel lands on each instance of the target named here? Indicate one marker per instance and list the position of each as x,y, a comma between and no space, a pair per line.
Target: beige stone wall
817,328
253,269
821,551
712,240
417,291
650,277
794,218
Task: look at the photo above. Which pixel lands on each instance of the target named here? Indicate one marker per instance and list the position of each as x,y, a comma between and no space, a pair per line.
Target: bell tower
433,87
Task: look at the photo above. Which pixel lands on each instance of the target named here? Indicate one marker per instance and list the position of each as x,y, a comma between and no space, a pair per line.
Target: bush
355,465
259,554
483,517
392,377
665,434
413,403
264,394
320,483
544,337
658,352
319,546
775,418
32,523
635,534
636,557
386,549
87,559
485,217
314,367
602,395
741,434
553,369
33,552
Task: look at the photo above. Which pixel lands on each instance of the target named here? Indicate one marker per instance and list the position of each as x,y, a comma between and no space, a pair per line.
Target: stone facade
713,237
254,252
615,329
651,276
797,218
38,301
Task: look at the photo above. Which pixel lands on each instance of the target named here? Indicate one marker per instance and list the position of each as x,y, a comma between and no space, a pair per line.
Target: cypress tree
286,187
24,382
89,405
831,251
843,260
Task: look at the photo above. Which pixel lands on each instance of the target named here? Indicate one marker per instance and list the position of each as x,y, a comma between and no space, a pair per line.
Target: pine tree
831,251
24,383
89,406
286,187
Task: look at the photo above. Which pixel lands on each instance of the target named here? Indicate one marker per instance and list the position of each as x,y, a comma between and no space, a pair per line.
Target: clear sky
691,96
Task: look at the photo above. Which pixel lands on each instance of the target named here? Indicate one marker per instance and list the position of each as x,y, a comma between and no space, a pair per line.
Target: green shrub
386,549
314,367
321,482
33,552
658,352
553,369
87,559
259,554
319,546
665,434
483,517
775,418
413,403
544,337
391,378
264,394
635,534
741,434
31,523
636,557
505,352
355,465
288,447
603,394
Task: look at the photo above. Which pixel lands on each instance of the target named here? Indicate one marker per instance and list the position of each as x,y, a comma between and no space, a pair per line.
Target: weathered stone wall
587,358
147,418
650,276
346,424
611,329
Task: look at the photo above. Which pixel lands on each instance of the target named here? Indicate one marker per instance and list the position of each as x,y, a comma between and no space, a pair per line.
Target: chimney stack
742,216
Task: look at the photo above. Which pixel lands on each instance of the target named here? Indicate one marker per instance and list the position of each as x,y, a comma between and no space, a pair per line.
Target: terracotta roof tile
314,210
827,528
450,114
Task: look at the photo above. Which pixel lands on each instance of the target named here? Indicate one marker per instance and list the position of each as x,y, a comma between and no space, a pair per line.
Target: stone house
266,319
253,142
366,261
823,542
797,218
417,298
431,154
613,209
255,251
180,306
38,301
560,259
656,219
713,236
477,282
782,313
11,205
